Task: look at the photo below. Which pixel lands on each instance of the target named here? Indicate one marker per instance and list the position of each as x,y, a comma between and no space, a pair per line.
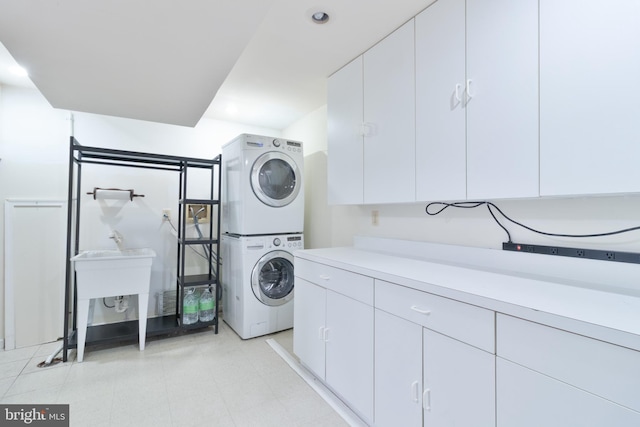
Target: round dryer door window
275,179
272,278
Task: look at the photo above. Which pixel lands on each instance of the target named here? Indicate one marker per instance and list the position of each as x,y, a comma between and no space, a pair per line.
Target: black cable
475,204
104,302
214,255
499,223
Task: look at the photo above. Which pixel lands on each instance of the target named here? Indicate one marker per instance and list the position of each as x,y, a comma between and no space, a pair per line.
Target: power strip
601,255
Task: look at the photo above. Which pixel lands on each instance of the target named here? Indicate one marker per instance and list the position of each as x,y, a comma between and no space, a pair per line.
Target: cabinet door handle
415,392
426,399
369,129
325,335
420,310
325,277
365,129
321,333
468,90
457,93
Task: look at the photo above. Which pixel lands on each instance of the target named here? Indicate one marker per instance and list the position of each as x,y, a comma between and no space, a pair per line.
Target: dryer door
272,278
275,179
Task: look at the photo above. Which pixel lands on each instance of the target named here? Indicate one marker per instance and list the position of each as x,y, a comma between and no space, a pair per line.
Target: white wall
34,147
324,225
329,226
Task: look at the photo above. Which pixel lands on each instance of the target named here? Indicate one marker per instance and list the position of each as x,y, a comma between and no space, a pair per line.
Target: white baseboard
343,410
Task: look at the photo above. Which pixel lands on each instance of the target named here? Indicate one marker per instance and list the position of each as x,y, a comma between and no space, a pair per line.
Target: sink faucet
117,237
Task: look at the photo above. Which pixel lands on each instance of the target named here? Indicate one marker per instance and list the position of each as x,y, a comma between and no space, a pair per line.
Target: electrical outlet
553,251
611,256
580,253
166,214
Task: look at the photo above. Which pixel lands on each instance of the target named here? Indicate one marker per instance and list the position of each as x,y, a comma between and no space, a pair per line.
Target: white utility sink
110,273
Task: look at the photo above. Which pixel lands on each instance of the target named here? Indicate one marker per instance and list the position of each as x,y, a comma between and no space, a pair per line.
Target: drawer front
604,369
344,282
467,323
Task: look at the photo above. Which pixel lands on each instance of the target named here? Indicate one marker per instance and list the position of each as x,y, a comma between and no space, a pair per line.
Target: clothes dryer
262,188
257,282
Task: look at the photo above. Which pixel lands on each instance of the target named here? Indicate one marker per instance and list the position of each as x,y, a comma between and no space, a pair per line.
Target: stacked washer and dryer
262,225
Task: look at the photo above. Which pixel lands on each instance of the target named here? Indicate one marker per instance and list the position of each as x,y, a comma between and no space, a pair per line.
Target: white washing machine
257,282
262,189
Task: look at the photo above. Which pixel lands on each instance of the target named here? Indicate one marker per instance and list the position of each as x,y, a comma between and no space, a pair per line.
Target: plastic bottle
190,307
206,306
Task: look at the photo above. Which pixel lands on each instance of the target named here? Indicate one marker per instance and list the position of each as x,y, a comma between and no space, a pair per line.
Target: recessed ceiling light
320,17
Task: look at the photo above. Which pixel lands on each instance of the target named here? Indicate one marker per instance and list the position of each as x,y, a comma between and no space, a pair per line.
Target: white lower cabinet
553,378
309,325
333,337
349,352
400,356
423,377
398,371
459,383
529,399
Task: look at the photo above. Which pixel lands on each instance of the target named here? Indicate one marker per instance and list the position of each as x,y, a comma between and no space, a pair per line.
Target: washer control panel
294,241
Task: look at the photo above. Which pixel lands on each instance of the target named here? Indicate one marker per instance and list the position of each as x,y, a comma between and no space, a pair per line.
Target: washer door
275,179
272,278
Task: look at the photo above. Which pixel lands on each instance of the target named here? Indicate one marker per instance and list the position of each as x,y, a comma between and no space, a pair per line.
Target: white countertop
597,312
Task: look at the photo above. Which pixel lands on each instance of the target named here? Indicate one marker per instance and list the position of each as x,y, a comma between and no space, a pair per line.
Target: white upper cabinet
371,124
477,100
491,99
389,119
589,92
440,100
345,160
502,98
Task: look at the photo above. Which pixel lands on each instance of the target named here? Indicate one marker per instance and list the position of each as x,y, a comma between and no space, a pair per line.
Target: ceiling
260,62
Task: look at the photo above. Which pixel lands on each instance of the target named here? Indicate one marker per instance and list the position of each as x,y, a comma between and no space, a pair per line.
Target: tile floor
199,379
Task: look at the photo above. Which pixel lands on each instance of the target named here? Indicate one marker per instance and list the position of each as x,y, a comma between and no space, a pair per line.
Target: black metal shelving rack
212,242
163,325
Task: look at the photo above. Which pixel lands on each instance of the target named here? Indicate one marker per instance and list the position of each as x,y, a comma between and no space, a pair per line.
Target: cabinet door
309,323
349,351
529,399
589,91
502,115
389,115
459,383
398,371
440,115
345,160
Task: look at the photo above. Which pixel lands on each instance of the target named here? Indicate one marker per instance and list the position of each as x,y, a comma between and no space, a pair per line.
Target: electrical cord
206,258
490,205
104,302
